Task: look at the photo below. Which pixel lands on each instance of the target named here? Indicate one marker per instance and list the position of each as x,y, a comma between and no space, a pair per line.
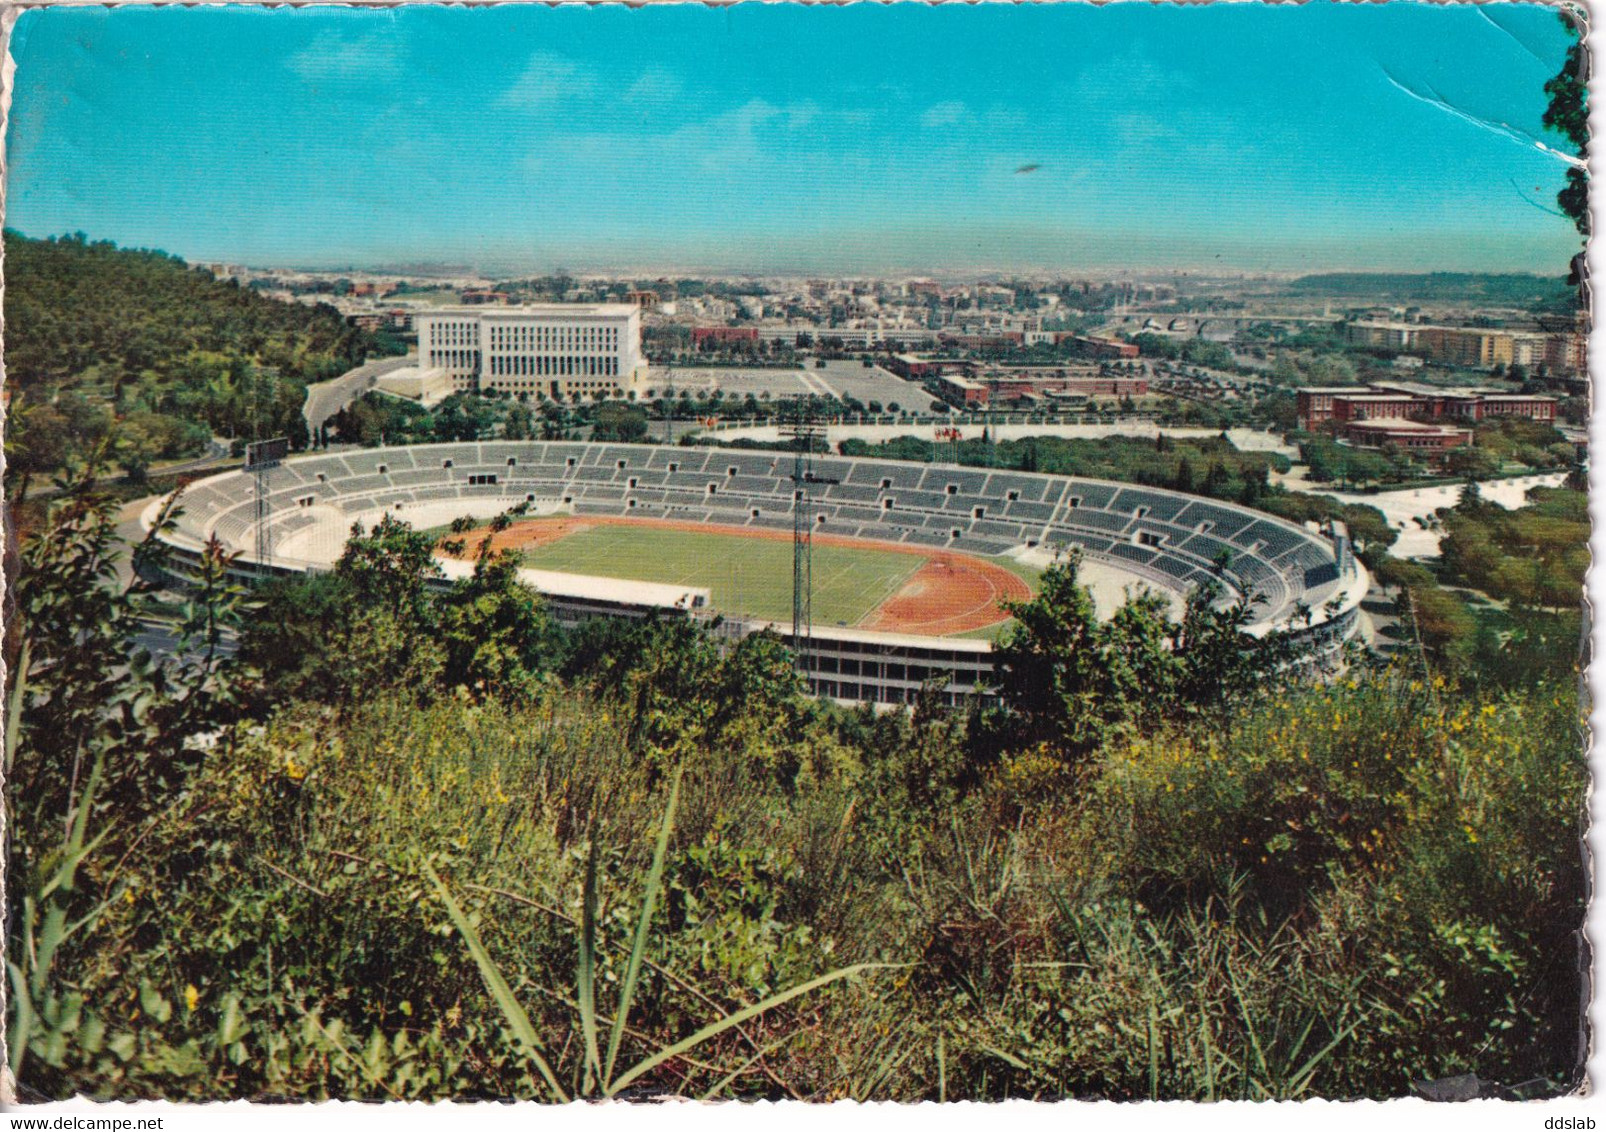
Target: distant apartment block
554,350
806,334
399,319
1472,346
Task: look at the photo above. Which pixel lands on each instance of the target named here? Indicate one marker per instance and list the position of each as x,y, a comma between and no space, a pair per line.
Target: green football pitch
748,576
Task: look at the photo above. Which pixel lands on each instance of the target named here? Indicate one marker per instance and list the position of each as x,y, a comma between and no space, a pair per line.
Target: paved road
217,452
1409,510
327,398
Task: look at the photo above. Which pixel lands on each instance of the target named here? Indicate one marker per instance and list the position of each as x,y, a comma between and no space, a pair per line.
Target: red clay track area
950,593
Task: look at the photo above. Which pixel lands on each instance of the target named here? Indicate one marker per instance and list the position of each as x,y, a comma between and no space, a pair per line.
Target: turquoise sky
778,138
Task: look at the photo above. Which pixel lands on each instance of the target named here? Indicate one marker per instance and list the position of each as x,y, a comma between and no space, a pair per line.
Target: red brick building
704,336
997,340
1412,436
1096,346
1402,401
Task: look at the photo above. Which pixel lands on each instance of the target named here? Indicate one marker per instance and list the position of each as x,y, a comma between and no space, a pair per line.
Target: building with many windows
556,350
1404,400
1470,346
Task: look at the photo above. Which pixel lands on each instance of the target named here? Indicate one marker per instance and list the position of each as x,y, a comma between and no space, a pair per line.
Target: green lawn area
747,576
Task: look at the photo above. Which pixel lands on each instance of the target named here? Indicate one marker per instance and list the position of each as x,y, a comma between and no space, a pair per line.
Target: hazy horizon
780,140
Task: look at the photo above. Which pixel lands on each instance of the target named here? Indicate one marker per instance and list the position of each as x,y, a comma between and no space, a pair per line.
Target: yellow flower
294,769
191,997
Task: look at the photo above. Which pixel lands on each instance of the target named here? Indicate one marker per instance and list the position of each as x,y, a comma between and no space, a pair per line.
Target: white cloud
654,85
545,79
724,144
332,57
944,114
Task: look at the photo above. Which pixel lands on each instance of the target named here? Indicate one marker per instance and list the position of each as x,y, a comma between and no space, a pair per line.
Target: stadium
909,560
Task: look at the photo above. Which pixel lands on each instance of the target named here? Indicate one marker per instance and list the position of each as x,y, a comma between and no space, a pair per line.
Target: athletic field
749,572
745,575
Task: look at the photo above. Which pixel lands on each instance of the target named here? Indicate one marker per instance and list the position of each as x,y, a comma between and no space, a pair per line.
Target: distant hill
1513,290
138,346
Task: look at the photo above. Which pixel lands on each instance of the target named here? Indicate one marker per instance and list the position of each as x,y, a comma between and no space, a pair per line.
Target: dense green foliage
1521,625
1075,683
619,422
1497,290
393,849
1209,465
376,418
140,351
1194,351
1534,556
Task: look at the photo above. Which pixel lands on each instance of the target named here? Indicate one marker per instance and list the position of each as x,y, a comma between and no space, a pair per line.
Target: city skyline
779,140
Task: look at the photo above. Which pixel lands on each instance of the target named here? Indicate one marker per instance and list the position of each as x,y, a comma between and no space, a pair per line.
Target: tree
619,422
1472,463
494,629
1067,680
1074,683
520,423
1568,115
389,567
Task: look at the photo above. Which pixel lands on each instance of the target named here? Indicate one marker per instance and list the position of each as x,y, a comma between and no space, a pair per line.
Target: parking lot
836,378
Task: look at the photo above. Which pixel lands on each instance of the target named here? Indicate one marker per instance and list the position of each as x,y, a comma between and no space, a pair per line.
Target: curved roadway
327,398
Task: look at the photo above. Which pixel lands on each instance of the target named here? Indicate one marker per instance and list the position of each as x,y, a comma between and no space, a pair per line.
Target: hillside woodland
142,354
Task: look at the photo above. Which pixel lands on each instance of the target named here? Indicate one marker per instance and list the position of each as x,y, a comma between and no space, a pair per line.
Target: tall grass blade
942,1068
22,1028
586,972
638,947
1154,1054
1301,1079
1007,1058
518,1021
714,1029
1249,1026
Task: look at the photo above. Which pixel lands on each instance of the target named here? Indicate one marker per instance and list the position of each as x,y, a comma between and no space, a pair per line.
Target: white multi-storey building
554,350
